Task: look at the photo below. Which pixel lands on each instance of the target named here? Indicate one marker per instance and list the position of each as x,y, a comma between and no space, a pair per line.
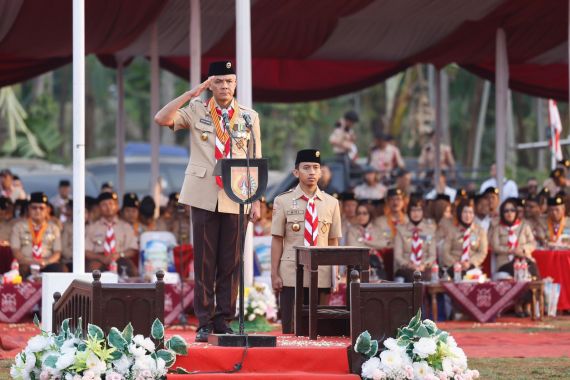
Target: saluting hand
196,91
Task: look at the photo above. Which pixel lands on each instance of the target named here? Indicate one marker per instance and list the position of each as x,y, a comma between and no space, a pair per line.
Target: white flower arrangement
259,302
420,351
119,356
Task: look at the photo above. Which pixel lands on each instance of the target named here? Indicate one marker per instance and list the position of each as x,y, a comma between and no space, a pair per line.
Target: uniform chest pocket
205,124
325,226
98,239
295,224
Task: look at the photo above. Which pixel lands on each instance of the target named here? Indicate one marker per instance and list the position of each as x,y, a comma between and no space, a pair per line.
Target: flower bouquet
259,307
119,356
420,351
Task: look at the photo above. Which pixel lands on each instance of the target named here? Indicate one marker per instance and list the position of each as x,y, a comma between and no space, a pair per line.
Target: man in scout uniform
219,128
304,216
557,227
6,222
130,211
394,216
110,239
35,240
348,217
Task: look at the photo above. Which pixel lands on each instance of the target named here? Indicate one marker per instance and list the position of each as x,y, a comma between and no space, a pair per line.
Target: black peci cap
106,195
131,200
221,68
308,155
38,197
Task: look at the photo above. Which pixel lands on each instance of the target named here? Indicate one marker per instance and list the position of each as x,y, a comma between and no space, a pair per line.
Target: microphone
226,119
249,126
247,120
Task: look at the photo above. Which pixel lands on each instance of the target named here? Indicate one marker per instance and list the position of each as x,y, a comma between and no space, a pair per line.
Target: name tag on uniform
295,212
206,121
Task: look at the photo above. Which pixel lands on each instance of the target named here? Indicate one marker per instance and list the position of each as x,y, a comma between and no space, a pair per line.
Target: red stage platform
293,358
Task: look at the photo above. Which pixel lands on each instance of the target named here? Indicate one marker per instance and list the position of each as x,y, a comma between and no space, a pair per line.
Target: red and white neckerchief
417,245
311,222
222,149
367,236
37,233
109,246
466,244
513,238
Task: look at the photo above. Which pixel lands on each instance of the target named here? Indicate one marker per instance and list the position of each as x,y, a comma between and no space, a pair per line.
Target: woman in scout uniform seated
466,242
303,216
35,240
557,226
512,239
364,234
394,215
415,244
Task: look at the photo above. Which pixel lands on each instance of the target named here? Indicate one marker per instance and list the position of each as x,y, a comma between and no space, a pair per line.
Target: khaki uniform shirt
387,234
387,159
356,236
21,239
378,191
125,238
5,232
180,227
199,188
403,243
342,140
499,238
288,214
427,157
539,230
453,246
67,242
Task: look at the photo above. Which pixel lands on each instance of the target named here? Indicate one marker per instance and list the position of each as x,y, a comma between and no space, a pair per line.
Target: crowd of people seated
38,232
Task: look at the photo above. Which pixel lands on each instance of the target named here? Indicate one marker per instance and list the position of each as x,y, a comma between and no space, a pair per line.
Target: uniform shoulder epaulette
285,192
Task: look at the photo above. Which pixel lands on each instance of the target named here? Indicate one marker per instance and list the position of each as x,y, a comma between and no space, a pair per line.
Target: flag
555,129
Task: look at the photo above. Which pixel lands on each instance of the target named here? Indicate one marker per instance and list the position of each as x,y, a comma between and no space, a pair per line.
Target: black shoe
203,333
223,329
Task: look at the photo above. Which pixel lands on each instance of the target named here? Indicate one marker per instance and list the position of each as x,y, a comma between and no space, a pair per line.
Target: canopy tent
303,50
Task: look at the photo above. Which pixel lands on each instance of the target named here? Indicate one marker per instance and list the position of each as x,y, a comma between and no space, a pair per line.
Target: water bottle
113,267
435,273
457,272
517,270
524,271
15,265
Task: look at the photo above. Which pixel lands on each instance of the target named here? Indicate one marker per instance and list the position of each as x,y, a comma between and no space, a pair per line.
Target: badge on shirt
206,121
295,212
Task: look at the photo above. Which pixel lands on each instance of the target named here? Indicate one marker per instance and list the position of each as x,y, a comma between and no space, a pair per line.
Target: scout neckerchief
554,232
367,236
37,237
417,244
222,149
393,223
466,253
311,221
109,246
513,238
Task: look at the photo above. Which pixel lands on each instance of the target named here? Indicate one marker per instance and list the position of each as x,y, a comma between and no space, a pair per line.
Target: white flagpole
78,136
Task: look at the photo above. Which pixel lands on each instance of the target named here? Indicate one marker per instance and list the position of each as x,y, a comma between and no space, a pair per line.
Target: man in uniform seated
392,218
36,241
110,239
557,228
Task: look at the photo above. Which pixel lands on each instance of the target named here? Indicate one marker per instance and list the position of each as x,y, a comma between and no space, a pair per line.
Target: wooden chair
381,309
110,305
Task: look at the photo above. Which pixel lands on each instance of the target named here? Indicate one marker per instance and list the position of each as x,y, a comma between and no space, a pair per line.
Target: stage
293,358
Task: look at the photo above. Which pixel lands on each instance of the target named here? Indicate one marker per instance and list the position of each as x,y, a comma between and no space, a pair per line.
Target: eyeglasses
509,210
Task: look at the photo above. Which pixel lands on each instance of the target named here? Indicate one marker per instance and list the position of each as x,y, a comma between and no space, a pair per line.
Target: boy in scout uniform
556,225
220,128
35,240
110,239
130,211
293,212
394,215
415,244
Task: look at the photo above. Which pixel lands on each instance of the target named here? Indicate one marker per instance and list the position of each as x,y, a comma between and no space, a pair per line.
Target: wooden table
311,258
535,287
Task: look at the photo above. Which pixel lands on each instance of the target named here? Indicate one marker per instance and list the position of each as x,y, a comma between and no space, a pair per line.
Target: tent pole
501,103
78,136
154,105
245,97
480,128
120,128
195,43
